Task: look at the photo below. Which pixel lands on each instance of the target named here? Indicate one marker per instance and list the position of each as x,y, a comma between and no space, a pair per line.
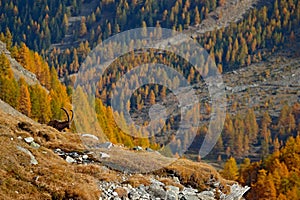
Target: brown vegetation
137,180
194,174
52,177
169,181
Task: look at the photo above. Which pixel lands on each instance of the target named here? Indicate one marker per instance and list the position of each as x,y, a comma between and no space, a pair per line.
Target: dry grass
169,181
122,193
50,137
131,161
52,177
192,173
98,172
137,180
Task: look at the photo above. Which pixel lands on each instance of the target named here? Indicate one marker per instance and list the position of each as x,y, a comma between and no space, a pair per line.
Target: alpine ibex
61,125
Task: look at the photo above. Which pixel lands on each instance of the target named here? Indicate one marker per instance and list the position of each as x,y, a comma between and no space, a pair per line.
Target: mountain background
254,44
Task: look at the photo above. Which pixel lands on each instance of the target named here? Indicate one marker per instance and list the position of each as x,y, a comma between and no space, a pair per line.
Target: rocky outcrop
158,190
174,190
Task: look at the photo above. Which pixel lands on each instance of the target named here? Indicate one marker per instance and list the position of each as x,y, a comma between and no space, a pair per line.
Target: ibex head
61,125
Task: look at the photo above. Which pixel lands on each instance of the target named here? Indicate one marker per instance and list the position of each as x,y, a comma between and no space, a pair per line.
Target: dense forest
262,31
42,102
276,177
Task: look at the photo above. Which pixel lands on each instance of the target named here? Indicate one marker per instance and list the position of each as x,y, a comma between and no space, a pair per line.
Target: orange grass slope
52,177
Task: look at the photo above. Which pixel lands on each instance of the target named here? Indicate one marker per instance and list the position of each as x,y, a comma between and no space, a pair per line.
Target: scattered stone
122,192
159,191
19,138
104,155
70,159
90,136
156,182
29,139
172,195
192,197
236,192
106,145
35,145
172,188
149,149
134,195
59,152
85,157
138,148
176,179
33,161
208,193
115,194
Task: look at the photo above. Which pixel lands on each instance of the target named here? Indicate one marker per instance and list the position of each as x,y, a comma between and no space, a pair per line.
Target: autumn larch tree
231,170
24,105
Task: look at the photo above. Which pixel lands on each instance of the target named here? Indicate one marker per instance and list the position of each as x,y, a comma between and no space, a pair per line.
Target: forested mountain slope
257,55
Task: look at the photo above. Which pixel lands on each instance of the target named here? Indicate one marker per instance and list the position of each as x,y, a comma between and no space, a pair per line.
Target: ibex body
61,125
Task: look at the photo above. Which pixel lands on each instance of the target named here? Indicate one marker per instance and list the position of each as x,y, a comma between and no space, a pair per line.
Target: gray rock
106,145
236,192
134,195
35,145
90,136
85,157
33,161
176,179
104,155
115,194
59,152
189,191
149,149
208,193
205,197
173,188
172,195
70,159
157,191
192,197
137,148
156,182
29,139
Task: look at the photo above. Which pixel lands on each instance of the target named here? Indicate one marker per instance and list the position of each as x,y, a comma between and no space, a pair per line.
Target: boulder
134,195
90,136
29,140
149,149
70,159
137,148
172,195
104,155
106,145
157,191
33,161
35,145
172,188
